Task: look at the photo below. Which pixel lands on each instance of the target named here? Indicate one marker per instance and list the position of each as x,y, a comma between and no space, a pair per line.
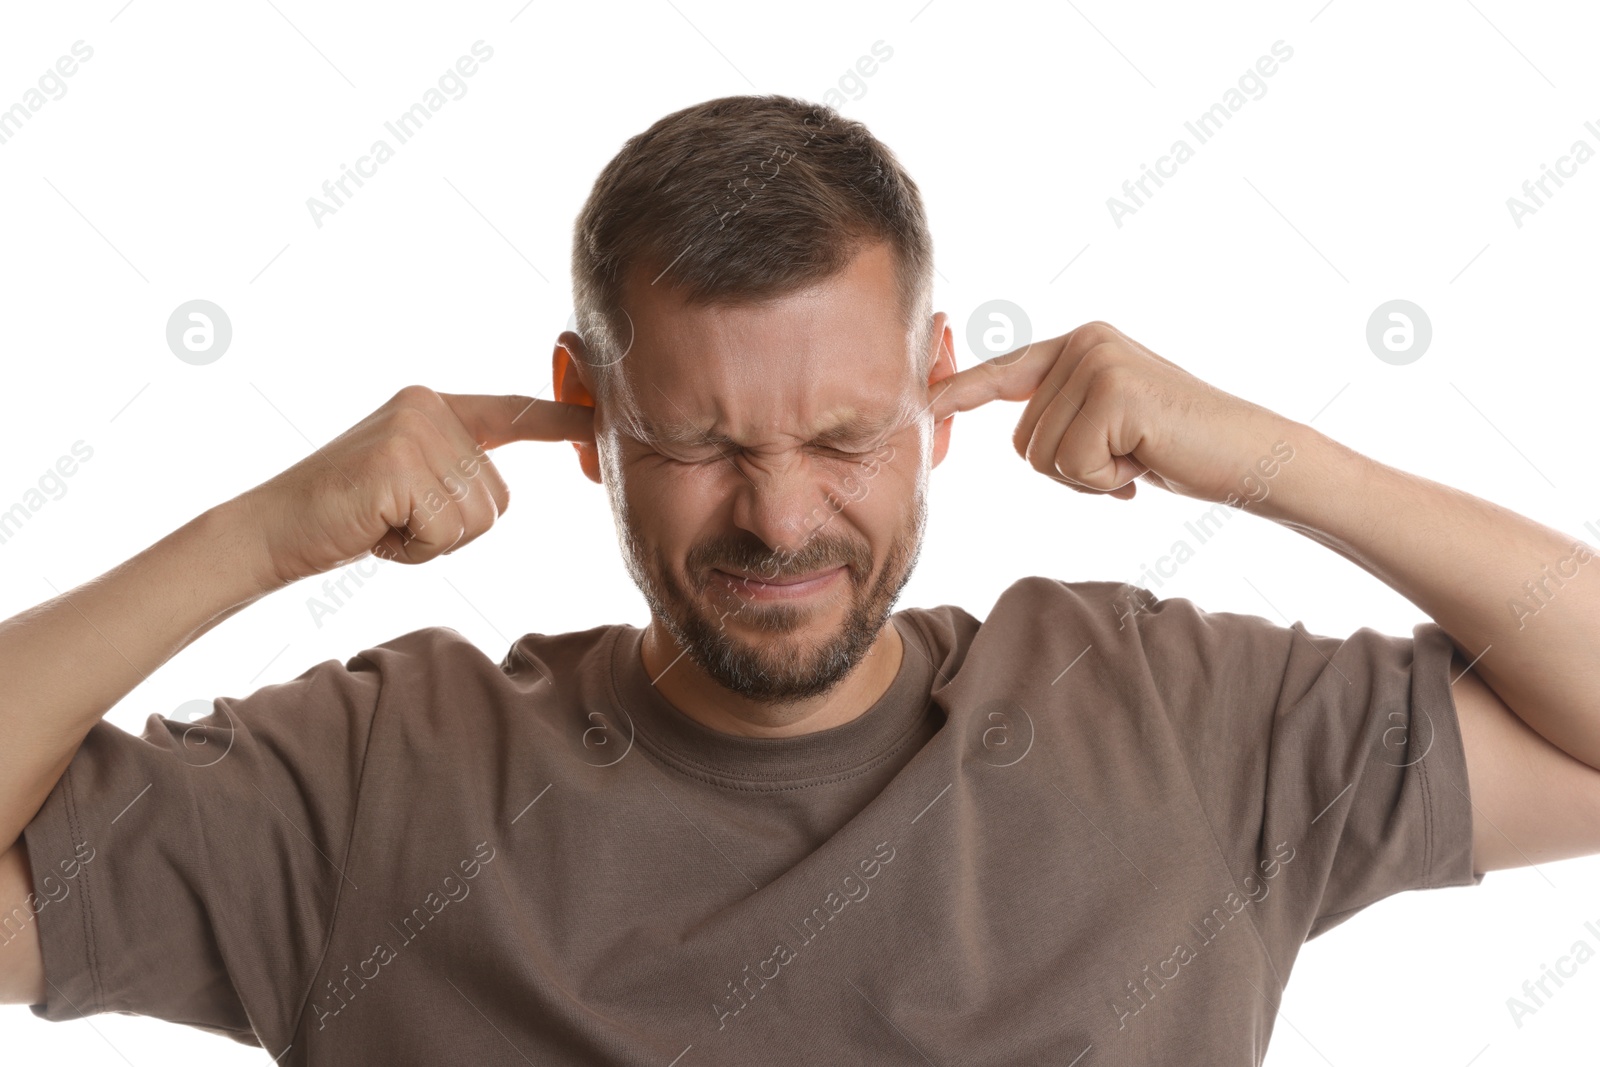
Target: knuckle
1112,378
1038,460
1075,470
446,537
1100,358
400,452
419,396
476,465
455,486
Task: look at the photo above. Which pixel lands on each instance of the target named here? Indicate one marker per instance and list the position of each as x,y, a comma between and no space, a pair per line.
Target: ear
944,365
569,381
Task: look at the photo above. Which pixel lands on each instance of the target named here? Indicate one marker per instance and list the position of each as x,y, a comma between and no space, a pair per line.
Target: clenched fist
409,482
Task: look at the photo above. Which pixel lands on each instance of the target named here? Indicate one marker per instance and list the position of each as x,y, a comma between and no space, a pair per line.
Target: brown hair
740,199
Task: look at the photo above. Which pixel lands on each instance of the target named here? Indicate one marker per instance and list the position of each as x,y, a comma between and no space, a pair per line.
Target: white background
1376,166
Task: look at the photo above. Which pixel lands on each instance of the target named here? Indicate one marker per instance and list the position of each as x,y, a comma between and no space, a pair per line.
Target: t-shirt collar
733,759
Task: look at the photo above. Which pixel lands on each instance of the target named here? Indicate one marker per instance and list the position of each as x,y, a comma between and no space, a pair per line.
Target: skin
773,500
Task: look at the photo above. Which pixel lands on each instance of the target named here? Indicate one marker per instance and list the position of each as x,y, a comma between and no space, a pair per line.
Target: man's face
772,442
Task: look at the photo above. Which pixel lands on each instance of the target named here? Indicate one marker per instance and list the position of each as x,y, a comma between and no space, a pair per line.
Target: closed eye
692,461
729,451
828,453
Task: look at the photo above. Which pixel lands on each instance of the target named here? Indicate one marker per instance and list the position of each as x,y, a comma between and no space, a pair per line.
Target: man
782,824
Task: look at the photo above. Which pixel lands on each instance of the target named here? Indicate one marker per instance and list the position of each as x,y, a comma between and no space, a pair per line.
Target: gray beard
775,672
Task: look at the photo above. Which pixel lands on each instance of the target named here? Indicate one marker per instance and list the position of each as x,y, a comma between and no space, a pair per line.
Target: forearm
69,660
1518,598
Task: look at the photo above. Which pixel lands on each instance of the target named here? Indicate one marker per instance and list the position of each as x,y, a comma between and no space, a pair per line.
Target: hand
409,482
1104,411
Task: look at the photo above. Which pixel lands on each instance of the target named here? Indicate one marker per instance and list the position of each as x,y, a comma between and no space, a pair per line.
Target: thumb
494,420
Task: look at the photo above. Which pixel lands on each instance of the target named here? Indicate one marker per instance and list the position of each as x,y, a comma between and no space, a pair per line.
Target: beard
779,666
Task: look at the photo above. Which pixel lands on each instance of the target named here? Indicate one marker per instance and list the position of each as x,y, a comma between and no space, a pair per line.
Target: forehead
833,360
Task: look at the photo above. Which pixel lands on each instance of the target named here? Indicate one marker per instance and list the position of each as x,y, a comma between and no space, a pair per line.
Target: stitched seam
86,916
1327,917
690,771
208,867
1205,818
1222,858
1427,826
338,899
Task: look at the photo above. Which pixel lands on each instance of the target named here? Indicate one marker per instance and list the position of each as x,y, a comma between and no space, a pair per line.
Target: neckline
837,751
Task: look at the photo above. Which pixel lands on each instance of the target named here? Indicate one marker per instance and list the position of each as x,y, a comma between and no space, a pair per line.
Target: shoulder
434,670
406,658
1105,608
1034,607
1057,610
1039,624
1124,623
432,688
442,652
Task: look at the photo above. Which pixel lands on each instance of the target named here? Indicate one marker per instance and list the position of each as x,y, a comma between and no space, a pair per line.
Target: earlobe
589,461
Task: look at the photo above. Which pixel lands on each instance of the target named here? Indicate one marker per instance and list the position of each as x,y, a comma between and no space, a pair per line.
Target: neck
689,689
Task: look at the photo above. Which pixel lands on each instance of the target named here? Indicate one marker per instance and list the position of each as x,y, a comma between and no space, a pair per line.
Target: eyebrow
857,428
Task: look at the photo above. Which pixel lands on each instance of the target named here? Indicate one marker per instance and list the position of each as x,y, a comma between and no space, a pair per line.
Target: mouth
779,588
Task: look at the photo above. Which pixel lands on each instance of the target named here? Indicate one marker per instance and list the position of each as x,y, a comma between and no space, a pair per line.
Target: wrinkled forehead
835,362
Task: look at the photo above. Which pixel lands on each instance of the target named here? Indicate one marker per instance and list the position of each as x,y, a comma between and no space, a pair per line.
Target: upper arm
1531,802
21,965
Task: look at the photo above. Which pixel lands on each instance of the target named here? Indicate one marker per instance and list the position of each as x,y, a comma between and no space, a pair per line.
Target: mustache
776,566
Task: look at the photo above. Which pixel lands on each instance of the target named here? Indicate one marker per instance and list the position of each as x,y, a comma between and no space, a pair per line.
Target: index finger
1013,375
494,420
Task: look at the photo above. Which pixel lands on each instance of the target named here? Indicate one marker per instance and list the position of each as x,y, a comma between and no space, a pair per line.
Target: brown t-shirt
1094,828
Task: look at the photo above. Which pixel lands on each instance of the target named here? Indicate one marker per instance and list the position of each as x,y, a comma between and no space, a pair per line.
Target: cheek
669,504
874,498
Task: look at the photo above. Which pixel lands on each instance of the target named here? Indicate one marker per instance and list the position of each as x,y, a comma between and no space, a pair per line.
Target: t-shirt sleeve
192,873
1342,753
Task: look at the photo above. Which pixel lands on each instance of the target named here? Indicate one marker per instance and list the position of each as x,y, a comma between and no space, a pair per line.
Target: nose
784,502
